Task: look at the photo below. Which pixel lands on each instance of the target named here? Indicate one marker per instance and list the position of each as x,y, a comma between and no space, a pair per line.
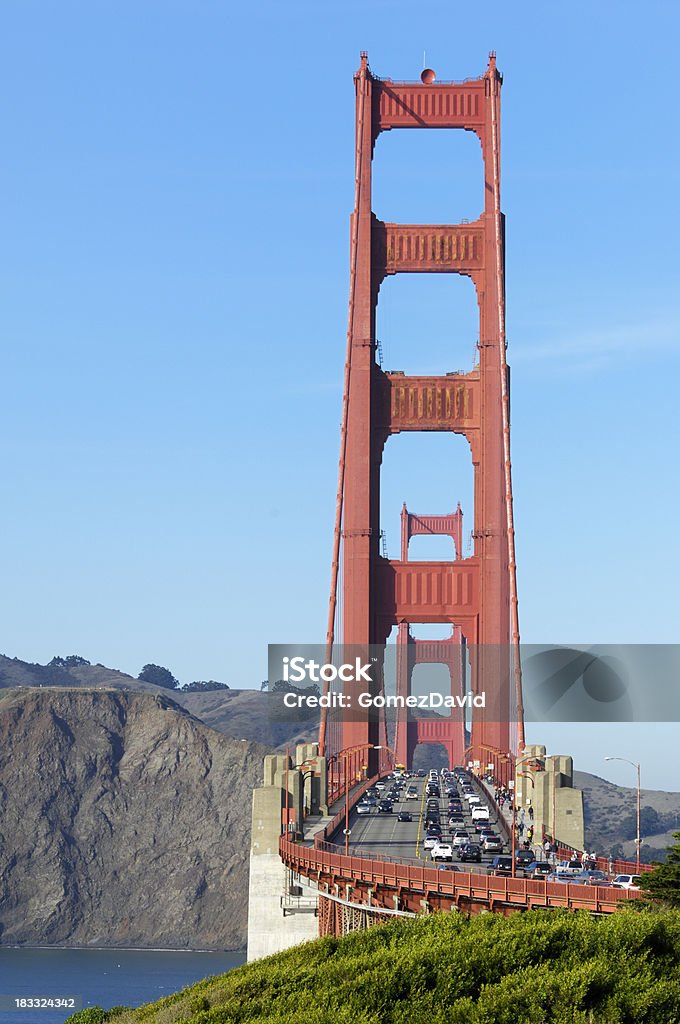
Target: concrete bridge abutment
282,908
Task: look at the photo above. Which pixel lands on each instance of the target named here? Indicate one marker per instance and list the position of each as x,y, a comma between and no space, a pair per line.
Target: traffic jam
446,818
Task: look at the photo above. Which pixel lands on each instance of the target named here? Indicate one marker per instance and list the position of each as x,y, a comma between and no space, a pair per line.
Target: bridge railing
420,880
606,864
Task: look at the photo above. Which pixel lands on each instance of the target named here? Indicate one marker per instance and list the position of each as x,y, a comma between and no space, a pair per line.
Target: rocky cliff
123,821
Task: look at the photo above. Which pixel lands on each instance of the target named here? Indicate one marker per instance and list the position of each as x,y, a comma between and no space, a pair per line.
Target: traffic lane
468,826
380,833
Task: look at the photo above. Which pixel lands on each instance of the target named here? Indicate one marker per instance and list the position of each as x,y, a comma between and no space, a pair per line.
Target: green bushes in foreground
540,967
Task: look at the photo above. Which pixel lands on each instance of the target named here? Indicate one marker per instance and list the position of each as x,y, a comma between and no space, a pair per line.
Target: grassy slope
532,968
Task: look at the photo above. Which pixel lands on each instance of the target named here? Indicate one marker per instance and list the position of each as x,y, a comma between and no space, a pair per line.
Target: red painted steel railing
430,881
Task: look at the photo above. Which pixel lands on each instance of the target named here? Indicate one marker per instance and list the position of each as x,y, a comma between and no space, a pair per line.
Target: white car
429,842
627,881
412,794
480,813
364,808
442,851
471,799
460,837
380,786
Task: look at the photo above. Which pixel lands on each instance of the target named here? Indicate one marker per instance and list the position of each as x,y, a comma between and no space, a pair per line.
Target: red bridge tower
476,595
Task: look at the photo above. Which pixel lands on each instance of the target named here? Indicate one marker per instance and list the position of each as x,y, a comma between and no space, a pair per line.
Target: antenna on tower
427,75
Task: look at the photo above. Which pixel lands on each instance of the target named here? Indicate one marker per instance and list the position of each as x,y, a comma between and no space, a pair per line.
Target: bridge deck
387,867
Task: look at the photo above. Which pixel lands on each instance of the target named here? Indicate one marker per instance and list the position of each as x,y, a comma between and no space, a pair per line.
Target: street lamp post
524,775
311,765
513,847
346,809
344,755
636,765
287,791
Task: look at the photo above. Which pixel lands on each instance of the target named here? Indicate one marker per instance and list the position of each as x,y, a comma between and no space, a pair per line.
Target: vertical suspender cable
330,632
505,401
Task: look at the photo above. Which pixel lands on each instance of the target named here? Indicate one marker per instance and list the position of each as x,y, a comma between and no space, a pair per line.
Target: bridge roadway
387,872
384,835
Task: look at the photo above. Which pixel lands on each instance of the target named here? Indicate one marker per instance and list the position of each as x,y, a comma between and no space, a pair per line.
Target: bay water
99,977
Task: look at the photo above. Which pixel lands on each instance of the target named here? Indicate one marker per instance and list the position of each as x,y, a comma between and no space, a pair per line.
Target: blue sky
176,182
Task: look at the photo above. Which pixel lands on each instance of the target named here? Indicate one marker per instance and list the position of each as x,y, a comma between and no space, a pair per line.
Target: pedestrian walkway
506,813
312,824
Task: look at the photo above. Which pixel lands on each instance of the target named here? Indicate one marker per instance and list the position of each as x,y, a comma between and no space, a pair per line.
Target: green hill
541,967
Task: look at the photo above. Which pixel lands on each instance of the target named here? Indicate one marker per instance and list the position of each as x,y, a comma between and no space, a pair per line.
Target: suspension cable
505,403
354,245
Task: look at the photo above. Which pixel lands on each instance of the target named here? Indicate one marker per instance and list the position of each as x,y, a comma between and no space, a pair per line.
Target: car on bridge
501,865
492,843
570,867
363,808
441,851
470,851
461,837
565,878
385,807
595,876
404,816
538,869
627,881
411,793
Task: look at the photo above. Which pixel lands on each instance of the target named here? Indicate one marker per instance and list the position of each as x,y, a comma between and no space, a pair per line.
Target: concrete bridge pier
283,909
546,783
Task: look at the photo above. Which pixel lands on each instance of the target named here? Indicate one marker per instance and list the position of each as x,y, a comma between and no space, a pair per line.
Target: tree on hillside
650,823
159,676
203,686
70,662
281,686
663,883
